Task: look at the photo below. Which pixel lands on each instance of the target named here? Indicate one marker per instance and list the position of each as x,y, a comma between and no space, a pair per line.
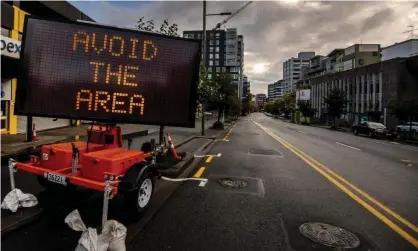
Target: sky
274,31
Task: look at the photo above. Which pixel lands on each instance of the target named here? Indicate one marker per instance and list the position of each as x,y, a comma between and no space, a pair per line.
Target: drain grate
329,235
233,183
264,152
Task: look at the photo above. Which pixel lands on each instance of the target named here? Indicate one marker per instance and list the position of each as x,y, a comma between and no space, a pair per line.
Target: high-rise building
245,88
275,90
292,69
224,53
260,100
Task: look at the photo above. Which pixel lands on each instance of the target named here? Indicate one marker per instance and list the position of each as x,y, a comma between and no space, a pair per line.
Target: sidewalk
15,145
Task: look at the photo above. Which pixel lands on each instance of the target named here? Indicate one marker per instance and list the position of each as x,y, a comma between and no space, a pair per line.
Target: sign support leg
11,173
106,196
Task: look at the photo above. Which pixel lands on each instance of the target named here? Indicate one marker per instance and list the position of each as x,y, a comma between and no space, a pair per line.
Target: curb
162,194
37,149
23,222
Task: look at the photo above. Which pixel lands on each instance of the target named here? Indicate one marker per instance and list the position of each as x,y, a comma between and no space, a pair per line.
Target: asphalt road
366,186
293,176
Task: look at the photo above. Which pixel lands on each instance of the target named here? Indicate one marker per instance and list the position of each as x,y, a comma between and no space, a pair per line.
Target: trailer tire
138,199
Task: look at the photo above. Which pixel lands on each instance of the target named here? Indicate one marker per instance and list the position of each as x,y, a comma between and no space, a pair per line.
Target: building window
216,56
210,49
210,69
210,63
210,56
209,76
216,49
212,42
216,62
218,69
217,42
5,32
217,34
223,69
199,36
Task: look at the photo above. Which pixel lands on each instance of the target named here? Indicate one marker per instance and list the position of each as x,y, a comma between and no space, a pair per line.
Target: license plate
56,178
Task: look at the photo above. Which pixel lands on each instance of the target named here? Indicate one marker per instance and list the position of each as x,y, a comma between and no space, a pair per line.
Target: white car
407,126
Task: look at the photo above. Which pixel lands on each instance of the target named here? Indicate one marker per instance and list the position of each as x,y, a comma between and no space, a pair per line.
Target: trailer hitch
74,163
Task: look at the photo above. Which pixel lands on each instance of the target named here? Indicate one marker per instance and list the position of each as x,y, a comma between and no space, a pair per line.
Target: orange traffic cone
34,137
173,150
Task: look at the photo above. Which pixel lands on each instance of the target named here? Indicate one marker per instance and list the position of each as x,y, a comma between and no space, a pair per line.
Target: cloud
377,19
275,31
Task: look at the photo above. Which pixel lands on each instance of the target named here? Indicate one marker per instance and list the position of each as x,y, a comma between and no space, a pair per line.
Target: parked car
373,129
406,127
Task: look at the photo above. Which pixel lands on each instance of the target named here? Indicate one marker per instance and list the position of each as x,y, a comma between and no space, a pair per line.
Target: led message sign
94,72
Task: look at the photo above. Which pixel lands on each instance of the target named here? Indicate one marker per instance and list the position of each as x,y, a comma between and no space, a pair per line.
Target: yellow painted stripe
312,162
199,172
209,159
366,195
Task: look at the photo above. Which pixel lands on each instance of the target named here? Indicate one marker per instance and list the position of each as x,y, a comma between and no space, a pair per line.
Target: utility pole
204,61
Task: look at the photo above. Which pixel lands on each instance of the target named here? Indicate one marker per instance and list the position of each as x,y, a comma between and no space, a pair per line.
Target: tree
207,91
305,109
286,103
253,106
225,91
336,102
165,28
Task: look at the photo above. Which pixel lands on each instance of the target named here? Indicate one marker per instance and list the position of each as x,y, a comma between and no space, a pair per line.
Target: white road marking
203,183
184,179
302,132
202,156
393,142
348,146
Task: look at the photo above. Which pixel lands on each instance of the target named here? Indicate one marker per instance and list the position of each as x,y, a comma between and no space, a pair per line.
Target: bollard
11,173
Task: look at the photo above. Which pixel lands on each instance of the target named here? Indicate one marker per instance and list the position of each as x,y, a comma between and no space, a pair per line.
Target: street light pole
204,61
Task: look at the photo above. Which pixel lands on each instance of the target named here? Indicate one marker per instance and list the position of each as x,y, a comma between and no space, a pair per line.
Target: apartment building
292,69
368,88
407,48
260,100
275,90
224,53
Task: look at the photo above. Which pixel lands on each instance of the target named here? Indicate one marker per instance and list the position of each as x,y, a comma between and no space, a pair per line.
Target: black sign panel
93,72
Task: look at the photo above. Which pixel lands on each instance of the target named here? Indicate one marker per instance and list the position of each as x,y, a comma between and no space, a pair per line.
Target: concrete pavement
285,190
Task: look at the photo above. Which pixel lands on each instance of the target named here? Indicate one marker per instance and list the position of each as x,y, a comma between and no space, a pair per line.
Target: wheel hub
144,194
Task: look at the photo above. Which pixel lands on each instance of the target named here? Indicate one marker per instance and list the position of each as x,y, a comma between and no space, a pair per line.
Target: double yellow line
338,181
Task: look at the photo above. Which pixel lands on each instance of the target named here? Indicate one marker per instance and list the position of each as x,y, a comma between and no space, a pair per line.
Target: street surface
293,174
284,191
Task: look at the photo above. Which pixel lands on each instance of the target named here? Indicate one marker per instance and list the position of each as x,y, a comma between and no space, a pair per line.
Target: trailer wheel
139,199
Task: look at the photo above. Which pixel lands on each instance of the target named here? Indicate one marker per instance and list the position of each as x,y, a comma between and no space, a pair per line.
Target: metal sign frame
23,77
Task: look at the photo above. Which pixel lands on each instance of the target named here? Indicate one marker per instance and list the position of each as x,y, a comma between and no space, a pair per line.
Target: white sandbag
116,233
89,241
16,198
112,238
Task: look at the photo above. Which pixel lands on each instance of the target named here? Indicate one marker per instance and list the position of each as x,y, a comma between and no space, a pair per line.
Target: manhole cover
233,183
263,152
329,235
